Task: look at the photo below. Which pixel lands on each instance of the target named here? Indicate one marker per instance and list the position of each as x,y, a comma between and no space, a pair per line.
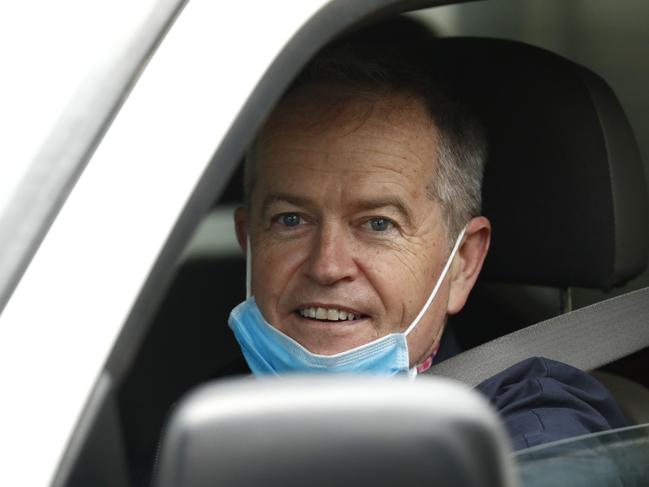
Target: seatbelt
586,338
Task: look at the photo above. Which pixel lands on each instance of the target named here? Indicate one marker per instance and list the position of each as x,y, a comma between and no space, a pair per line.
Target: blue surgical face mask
269,351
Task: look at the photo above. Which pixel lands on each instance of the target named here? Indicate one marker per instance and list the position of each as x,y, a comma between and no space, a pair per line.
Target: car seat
564,185
564,188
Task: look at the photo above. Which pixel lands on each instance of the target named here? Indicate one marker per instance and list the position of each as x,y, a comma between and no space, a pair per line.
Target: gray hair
457,176
382,69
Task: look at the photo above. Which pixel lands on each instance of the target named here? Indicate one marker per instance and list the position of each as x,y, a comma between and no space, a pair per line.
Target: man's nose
332,255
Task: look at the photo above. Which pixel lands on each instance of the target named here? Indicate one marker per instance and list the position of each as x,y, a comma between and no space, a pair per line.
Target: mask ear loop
248,268
447,266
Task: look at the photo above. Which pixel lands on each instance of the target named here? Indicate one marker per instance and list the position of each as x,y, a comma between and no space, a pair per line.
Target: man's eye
290,219
380,224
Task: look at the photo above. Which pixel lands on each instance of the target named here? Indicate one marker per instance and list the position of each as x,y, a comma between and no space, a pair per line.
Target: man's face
346,244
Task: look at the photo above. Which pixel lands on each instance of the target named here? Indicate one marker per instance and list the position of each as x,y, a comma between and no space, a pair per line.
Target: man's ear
241,227
468,262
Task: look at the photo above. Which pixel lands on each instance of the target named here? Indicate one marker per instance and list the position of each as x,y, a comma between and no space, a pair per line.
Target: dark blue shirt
542,400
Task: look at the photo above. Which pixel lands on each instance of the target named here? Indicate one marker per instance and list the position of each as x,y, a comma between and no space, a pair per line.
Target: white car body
70,305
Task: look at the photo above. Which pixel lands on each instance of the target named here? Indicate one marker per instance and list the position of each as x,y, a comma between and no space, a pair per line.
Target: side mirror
331,431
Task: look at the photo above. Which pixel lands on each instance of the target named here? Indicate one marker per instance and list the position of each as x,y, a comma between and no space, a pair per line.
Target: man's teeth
329,314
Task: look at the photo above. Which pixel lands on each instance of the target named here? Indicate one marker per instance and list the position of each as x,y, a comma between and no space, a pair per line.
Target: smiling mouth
329,314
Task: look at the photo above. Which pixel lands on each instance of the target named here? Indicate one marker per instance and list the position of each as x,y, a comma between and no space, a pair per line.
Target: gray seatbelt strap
586,338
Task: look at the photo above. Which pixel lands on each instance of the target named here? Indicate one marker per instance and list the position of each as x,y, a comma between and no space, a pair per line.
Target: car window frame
49,178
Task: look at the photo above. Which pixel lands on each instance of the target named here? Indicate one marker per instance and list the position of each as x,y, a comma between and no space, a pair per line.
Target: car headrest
324,430
564,184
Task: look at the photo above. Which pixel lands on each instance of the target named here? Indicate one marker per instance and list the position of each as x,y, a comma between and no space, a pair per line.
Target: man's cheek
274,265
409,267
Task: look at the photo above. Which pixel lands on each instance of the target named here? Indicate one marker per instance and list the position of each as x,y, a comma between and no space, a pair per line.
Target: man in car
363,232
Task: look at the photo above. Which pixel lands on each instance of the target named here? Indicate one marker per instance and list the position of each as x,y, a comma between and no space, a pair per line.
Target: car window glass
619,457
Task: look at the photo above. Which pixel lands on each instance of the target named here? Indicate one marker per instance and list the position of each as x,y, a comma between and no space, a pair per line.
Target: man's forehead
364,181
355,177
317,108
319,125
348,141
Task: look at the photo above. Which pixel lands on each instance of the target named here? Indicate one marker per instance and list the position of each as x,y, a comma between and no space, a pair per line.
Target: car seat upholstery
564,189
632,397
564,185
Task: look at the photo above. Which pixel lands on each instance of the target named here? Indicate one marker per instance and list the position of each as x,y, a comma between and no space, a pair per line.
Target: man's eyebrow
273,198
386,201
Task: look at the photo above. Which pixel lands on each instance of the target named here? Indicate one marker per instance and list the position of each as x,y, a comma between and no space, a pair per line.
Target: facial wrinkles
423,271
334,166
327,227
352,288
369,129
418,253
335,188
333,196
306,153
349,291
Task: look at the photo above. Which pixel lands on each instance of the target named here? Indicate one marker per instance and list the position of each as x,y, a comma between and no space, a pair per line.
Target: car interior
564,189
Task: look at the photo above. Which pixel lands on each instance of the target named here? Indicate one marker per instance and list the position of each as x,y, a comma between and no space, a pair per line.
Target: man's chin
329,337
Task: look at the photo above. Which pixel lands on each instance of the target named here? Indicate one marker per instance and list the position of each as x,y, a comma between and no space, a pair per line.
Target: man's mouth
329,314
